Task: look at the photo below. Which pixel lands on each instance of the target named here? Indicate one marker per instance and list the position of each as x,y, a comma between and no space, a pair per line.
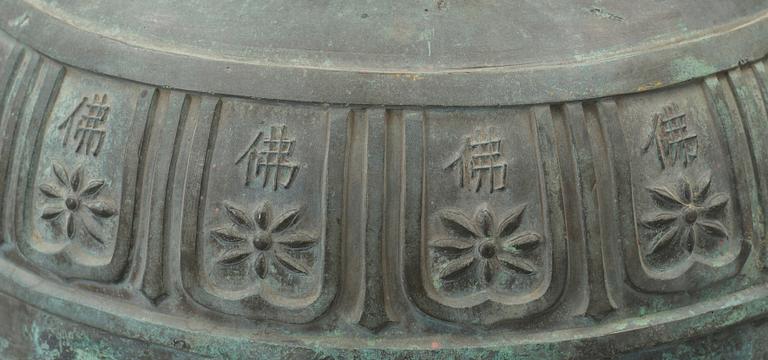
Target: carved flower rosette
264,249
483,257
259,244
687,224
74,222
75,211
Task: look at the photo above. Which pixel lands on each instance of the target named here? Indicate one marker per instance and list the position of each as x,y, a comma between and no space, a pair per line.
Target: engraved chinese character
90,131
481,160
272,160
673,139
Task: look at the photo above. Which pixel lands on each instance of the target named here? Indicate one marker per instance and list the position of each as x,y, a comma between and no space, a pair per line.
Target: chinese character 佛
90,130
272,161
480,160
672,138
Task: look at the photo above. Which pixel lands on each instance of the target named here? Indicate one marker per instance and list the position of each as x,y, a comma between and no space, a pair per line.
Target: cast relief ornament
480,249
689,217
74,203
263,242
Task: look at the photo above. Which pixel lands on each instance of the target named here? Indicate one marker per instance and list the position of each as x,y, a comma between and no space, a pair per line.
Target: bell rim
649,66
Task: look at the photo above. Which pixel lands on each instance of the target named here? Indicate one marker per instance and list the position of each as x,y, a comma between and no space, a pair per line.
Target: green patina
4,344
51,342
689,67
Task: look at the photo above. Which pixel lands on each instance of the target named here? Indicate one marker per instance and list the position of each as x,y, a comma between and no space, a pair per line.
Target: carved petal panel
488,244
686,203
80,200
270,212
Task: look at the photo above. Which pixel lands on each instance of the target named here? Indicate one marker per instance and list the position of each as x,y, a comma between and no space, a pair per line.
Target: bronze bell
319,179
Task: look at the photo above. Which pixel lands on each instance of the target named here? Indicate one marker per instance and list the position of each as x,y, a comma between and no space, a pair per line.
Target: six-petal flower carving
260,240
77,201
483,245
686,216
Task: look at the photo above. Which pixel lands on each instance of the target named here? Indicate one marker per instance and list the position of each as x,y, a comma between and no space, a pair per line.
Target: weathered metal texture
448,179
